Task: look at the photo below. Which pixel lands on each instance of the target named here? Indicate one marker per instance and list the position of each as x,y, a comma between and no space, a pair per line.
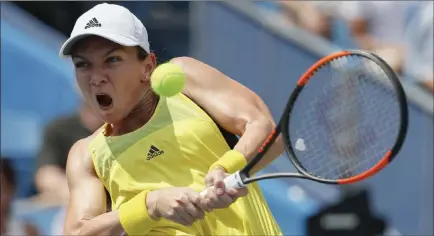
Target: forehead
91,44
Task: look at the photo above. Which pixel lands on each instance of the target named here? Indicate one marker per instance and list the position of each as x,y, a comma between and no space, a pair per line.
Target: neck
138,117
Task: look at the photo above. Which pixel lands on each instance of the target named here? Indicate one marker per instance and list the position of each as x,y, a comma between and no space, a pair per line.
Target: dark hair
7,172
141,53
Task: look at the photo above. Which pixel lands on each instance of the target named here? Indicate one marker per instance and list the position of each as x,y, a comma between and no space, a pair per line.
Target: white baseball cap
109,21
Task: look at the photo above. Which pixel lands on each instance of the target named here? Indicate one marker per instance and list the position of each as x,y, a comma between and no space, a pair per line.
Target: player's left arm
233,106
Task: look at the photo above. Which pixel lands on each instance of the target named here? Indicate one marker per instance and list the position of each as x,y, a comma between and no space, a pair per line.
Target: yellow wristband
134,216
232,161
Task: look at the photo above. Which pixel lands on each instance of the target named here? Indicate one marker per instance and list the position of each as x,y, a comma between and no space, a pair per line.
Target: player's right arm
86,213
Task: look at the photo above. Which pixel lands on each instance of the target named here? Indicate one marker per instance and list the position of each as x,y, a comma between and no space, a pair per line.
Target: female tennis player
154,155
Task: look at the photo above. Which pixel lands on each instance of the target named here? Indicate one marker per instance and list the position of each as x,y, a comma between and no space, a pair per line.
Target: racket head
367,67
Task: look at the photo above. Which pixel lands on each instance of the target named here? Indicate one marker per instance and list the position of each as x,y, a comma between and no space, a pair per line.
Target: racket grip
232,181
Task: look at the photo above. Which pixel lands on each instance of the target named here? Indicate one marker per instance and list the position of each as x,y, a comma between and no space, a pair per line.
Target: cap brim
65,50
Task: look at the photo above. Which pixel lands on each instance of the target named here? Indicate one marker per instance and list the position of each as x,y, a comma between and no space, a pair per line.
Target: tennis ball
168,79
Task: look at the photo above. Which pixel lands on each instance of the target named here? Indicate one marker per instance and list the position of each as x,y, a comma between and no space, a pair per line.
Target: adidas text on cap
109,21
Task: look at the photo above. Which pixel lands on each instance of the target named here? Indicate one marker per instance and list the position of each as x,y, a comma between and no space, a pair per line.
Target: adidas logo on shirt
154,152
92,23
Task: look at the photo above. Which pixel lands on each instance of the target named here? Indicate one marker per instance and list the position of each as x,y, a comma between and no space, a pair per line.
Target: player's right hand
180,205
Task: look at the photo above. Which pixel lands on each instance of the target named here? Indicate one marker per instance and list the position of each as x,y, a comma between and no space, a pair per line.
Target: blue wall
36,86
270,65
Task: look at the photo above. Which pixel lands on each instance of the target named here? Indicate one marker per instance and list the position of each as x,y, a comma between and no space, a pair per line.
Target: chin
108,116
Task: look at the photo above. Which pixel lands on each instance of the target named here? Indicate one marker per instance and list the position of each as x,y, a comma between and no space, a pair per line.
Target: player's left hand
219,196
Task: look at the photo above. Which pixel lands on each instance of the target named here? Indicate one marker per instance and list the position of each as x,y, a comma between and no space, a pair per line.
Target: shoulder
185,61
195,68
80,170
205,81
79,155
81,146
201,76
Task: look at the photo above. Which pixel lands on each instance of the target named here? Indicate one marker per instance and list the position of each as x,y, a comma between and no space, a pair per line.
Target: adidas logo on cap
120,26
92,23
154,152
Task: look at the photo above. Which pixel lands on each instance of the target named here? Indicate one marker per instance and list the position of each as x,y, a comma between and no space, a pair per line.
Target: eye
81,64
113,59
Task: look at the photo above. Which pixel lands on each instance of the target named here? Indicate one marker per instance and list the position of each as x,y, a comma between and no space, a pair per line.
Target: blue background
37,85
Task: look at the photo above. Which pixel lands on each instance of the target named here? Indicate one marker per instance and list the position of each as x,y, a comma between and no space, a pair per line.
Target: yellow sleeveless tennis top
175,149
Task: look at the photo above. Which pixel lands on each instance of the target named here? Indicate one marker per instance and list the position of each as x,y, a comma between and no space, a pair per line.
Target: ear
150,63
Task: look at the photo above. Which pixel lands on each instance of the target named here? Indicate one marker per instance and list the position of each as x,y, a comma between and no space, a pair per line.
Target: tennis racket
344,122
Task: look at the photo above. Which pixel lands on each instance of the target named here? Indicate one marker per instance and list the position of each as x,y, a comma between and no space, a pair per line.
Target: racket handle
232,181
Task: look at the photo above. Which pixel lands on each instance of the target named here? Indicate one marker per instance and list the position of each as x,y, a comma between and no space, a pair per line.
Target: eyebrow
106,54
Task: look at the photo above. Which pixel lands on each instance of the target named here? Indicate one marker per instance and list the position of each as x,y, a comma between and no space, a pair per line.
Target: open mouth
104,100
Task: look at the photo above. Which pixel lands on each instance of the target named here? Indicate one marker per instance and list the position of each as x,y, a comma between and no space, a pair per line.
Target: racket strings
345,120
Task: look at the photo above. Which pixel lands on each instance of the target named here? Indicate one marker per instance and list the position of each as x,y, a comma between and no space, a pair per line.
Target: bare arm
233,106
86,214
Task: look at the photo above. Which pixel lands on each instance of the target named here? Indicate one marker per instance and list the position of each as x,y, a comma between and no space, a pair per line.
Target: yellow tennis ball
168,79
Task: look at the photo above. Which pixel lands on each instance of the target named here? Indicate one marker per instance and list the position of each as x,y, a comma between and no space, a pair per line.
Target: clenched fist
180,205
218,196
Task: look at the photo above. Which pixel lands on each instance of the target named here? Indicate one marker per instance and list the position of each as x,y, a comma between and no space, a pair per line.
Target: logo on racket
299,145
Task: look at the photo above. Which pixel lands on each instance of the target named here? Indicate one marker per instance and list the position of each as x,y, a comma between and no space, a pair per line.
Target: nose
98,78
